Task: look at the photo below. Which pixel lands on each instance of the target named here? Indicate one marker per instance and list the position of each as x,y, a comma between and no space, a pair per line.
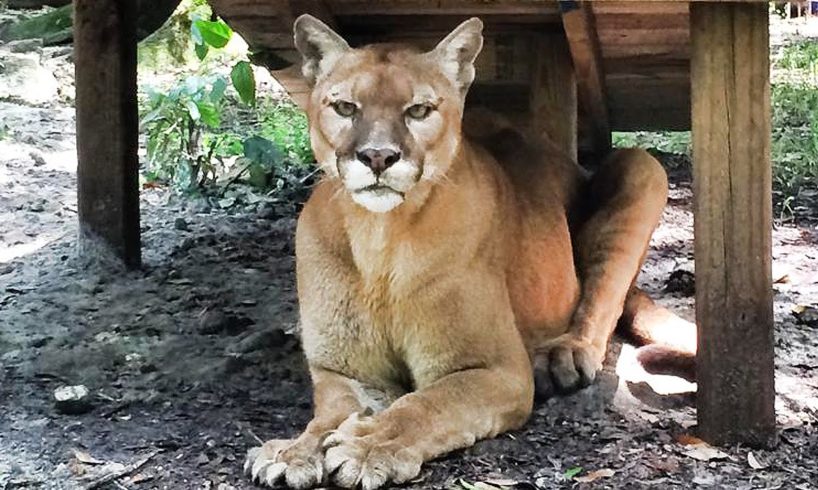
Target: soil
195,358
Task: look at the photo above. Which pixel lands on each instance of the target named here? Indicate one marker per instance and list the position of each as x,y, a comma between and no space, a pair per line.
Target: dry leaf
783,279
806,315
86,458
753,462
688,440
595,475
704,452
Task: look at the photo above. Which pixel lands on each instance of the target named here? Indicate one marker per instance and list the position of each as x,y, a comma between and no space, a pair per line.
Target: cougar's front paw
565,365
297,462
360,453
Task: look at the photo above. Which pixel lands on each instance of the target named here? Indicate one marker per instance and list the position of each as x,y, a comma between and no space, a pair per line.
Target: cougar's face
382,118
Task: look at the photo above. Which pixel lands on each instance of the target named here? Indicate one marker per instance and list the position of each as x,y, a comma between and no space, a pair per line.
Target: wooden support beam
553,92
733,222
580,30
107,130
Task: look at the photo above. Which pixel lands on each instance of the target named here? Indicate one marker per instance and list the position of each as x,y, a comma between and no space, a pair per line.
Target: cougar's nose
378,160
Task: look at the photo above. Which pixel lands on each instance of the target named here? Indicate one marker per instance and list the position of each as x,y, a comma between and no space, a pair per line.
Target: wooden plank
391,24
732,204
640,7
642,37
553,96
443,7
268,24
666,51
650,118
578,21
107,131
640,21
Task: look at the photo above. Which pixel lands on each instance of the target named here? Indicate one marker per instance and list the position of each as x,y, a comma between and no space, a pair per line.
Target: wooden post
554,92
733,221
583,42
107,130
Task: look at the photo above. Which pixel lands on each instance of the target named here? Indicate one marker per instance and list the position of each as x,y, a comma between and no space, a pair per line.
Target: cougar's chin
378,199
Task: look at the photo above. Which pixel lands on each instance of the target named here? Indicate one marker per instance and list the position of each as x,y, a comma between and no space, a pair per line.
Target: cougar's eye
419,111
344,108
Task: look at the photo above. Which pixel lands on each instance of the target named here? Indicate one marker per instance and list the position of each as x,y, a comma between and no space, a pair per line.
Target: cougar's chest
364,340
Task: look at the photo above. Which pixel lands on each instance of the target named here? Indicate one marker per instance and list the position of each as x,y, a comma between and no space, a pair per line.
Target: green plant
176,122
171,45
665,141
215,34
286,125
795,137
183,147
801,55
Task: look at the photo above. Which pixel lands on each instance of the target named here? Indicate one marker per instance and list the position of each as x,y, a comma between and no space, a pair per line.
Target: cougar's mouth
379,189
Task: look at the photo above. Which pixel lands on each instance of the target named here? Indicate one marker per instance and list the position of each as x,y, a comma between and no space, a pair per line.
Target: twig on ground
126,470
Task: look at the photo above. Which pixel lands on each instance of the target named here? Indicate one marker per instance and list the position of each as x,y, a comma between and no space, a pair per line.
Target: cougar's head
384,118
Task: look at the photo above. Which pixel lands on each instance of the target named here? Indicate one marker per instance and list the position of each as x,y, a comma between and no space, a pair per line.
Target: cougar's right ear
319,45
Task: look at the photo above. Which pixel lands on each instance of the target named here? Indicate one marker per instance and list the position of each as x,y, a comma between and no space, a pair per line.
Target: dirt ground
195,358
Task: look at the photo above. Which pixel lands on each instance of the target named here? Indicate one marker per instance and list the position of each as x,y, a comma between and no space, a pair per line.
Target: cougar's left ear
319,45
457,52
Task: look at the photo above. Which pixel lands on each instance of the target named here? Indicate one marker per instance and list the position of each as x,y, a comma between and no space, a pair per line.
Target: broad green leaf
572,472
215,33
244,81
209,114
201,51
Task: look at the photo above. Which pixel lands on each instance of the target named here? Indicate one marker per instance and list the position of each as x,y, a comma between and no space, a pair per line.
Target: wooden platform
579,69
643,46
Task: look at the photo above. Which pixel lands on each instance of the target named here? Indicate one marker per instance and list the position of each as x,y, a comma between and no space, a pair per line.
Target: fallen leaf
85,458
753,462
668,464
595,475
783,279
806,315
572,472
704,452
688,440
476,486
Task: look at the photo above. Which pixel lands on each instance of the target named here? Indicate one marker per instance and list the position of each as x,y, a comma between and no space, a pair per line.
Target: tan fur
426,324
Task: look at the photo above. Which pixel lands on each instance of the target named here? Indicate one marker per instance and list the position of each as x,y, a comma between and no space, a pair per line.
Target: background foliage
207,129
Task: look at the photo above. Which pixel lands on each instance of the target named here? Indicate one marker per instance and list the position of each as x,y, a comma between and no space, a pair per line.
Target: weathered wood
732,187
553,100
107,130
580,30
443,7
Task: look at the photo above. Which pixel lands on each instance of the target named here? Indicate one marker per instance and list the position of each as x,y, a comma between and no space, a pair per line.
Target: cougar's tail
668,342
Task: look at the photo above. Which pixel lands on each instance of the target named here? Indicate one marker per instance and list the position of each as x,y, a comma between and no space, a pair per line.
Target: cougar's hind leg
625,200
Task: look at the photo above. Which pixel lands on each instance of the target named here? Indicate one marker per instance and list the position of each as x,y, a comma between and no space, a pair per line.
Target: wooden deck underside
644,46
